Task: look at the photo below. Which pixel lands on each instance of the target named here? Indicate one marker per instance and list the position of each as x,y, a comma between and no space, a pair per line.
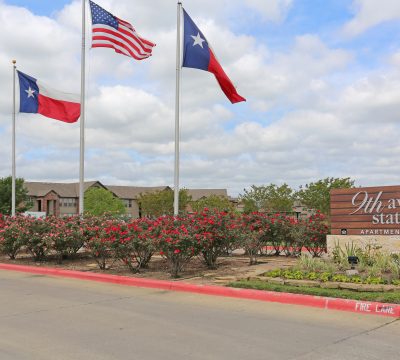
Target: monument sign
366,211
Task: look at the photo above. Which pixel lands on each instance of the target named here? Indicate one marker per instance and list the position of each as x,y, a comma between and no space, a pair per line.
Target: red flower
177,251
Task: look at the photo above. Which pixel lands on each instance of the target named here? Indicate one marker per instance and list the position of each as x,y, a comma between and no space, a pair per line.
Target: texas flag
197,54
37,98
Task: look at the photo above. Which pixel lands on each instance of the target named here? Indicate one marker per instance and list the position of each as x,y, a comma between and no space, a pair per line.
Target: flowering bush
103,236
290,246
280,235
12,231
214,231
135,242
37,237
142,242
251,232
315,234
176,241
67,235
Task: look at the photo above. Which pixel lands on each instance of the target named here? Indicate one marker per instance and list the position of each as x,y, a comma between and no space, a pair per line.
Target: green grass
385,297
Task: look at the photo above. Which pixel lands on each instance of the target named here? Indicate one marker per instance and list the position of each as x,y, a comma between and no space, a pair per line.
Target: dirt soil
229,268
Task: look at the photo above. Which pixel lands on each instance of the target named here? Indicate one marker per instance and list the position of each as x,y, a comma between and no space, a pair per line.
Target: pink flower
177,251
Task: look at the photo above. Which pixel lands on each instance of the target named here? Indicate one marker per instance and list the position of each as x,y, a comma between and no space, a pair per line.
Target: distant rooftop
71,190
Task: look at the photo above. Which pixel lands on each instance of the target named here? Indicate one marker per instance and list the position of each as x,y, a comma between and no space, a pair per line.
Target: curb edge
361,307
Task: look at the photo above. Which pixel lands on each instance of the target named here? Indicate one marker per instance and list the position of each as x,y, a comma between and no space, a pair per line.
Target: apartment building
62,199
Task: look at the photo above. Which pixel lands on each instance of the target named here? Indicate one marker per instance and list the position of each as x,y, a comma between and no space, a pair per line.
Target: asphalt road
55,319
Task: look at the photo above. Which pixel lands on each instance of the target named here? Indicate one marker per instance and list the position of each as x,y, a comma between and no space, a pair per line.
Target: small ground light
353,261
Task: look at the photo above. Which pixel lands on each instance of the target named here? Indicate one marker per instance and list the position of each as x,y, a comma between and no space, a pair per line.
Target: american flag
110,32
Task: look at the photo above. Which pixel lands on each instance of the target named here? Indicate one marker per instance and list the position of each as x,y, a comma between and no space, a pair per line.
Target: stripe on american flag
106,36
110,32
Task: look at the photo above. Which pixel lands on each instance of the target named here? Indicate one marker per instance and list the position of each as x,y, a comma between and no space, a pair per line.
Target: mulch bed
195,271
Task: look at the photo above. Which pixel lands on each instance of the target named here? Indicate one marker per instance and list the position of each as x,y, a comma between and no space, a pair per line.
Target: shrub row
328,276
208,234
375,267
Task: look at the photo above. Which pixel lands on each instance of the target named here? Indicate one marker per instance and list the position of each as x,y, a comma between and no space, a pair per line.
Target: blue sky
324,18
303,17
40,7
321,80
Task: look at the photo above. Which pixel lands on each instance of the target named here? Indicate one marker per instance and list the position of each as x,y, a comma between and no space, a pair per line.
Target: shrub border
361,307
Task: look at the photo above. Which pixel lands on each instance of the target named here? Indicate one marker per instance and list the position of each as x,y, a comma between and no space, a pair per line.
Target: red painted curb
363,307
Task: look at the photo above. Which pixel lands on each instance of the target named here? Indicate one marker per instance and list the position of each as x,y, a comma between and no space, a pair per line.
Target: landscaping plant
12,231
137,243
108,238
37,237
252,233
215,231
67,235
102,242
176,242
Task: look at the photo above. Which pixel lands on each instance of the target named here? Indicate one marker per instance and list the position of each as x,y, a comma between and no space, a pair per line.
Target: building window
127,202
68,202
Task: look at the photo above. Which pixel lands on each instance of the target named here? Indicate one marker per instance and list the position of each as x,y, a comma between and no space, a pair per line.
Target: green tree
161,202
269,198
249,206
212,202
22,202
99,201
316,195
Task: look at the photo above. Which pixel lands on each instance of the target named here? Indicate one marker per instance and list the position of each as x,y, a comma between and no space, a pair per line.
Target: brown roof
41,189
203,193
71,190
132,192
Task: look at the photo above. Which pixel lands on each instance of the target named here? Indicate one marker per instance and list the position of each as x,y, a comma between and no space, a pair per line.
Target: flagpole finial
14,62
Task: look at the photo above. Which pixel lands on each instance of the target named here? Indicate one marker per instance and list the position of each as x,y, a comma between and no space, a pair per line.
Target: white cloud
295,76
274,10
369,13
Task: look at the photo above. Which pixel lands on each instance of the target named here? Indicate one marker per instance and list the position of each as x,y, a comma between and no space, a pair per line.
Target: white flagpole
82,119
177,108
13,145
